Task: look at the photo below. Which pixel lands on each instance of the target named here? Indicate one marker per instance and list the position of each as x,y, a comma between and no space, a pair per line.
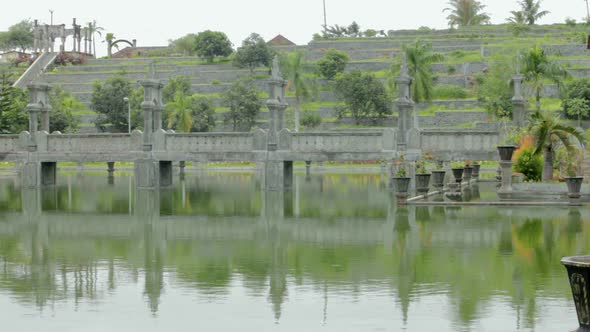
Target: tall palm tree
180,113
466,12
518,17
294,68
547,130
420,58
537,67
93,29
531,10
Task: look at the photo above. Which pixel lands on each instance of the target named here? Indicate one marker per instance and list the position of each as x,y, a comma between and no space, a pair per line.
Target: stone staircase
40,66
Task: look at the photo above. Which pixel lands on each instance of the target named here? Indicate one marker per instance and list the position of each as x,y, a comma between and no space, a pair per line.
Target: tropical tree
537,67
210,44
531,11
547,130
179,83
364,96
186,45
253,52
294,68
92,28
466,13
420,57
518,17
108,101
576,99
243,100
13,100
332,63
18,36
64,105
179,112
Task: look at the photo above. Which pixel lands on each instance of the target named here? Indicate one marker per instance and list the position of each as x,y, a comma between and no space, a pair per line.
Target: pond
216,253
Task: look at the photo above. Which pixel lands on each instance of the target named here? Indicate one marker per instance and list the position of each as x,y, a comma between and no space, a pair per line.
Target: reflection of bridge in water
154,149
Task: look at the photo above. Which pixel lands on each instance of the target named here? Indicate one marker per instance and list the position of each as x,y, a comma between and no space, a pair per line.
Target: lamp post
126,100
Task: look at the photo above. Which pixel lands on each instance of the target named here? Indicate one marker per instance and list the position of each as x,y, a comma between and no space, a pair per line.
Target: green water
215,253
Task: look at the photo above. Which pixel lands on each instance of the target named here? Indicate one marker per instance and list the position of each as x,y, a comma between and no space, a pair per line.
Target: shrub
529,164
449,92
576,99
310,119
364,96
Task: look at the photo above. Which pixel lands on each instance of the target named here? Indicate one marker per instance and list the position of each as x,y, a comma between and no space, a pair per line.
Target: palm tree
537,68
547,129
531,11
180,113
518,17
92,29
420,58
466,12
294,68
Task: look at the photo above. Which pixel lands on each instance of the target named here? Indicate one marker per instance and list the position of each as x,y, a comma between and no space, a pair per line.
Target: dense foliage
243,101
576,99
211,44
180,83
253,53
364,96
18,36
108,101
528,163
332,63
190,113
493,87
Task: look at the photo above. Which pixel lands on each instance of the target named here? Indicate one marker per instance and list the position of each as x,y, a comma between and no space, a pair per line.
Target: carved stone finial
518,62
404,70
275,71
152,70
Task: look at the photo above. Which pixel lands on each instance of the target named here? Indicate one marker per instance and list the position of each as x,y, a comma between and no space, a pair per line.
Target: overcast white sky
154,25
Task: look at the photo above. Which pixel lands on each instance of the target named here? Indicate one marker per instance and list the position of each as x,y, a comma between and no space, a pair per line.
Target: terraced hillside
466,51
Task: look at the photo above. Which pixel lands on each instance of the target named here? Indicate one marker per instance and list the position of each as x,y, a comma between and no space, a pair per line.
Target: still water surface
215,253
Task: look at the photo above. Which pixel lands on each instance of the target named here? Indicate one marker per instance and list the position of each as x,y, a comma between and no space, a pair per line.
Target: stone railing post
404,105
39,106
276,105
518,101
152,110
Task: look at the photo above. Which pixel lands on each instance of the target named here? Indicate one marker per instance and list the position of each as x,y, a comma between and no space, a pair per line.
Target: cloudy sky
154,25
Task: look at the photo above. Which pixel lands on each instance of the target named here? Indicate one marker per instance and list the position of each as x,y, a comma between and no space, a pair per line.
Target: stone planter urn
506,152
574,186
422,183
467,173
438,179
476,168
578,271
458,174
401,185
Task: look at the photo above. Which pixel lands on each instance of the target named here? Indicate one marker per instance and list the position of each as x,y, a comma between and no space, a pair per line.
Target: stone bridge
154,149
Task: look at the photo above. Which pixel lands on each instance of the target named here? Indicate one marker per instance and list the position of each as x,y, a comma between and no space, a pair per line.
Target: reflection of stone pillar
506,185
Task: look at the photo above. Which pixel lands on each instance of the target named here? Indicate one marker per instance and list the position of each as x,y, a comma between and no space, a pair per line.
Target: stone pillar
146,173
48,173
404,105
505,190
152,110
519,116
181,167
274,167
288,175
111,172
39,106
165,170
308,168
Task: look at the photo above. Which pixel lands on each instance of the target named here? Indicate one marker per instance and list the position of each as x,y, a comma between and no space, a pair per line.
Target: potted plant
458,168
467,171
438,175
572,180
578,270
512,138
422,177
401,181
